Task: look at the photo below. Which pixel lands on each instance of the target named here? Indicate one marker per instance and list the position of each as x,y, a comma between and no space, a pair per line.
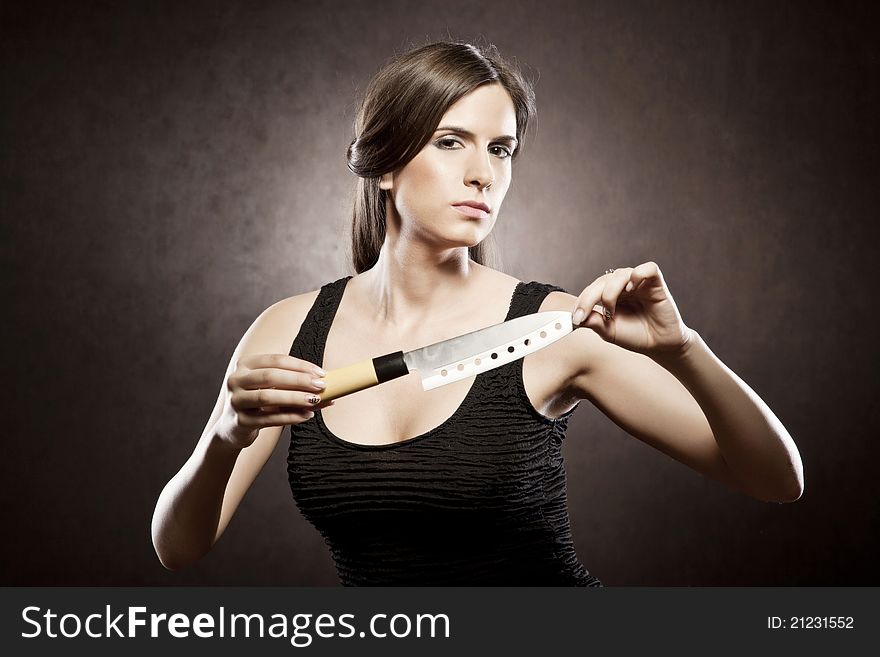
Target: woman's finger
269,377
270,397
587,301
613,288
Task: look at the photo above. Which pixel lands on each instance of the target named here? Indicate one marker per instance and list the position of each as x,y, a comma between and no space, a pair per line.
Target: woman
463,484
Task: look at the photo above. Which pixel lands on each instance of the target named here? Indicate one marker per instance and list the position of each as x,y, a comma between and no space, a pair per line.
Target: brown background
168,172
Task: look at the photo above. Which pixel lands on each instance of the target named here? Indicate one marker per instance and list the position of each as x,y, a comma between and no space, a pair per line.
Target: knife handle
365,374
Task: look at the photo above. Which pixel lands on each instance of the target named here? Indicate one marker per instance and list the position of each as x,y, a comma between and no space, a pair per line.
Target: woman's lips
476,213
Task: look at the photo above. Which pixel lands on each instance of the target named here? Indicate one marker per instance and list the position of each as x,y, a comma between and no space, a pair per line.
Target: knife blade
454,359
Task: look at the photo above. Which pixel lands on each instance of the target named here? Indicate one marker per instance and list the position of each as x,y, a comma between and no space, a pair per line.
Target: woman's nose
480,173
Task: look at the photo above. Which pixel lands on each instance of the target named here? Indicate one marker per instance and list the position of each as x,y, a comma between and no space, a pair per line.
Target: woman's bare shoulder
275,328
495,280
291,311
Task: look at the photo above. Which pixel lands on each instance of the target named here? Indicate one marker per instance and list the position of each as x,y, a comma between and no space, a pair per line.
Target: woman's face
466,159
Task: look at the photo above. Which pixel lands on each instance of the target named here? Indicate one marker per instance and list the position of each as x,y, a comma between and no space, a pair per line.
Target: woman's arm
756,446
196,505
691,406
187,514
687,404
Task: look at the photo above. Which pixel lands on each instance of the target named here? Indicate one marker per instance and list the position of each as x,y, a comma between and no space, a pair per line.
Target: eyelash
456,141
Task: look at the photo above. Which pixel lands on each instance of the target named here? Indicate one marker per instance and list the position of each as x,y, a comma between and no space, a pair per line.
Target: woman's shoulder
291,310
500,280
553,296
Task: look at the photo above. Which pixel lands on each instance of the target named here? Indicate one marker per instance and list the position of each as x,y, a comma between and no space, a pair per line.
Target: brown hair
401,108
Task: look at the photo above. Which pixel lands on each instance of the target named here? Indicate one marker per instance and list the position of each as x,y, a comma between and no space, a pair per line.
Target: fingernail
319,371
629,287
578,316
318,383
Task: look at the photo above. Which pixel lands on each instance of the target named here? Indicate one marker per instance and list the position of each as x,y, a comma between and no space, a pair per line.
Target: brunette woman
462,484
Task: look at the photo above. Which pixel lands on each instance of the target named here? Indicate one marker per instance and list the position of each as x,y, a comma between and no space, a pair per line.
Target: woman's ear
385,182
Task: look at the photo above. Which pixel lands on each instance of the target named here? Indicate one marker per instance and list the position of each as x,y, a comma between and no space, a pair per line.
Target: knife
454,359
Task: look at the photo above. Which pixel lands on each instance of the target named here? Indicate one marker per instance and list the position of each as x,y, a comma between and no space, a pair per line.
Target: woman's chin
471,236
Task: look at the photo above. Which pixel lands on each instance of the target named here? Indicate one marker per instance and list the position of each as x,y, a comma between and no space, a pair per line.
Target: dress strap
309,342
529,298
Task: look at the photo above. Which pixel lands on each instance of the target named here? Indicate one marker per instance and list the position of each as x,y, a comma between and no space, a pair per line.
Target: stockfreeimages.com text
299,628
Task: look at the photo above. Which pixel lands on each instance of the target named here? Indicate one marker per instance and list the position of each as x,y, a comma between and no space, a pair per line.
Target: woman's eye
449,143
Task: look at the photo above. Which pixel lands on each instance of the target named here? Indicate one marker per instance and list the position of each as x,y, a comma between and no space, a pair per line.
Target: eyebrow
471,135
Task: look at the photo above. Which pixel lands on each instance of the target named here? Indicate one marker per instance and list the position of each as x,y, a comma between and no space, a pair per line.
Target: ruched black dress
479,500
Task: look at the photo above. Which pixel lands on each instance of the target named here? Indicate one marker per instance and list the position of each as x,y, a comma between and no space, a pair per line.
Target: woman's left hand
640,314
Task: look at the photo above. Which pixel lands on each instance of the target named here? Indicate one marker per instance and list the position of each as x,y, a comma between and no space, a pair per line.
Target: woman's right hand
268,390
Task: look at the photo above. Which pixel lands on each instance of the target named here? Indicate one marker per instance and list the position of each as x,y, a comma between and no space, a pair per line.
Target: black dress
479,500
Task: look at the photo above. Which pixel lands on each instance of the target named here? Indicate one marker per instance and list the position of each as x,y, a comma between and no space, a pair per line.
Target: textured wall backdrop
170,169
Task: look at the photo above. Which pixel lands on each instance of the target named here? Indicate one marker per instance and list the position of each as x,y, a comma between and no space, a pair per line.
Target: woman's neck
406,289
